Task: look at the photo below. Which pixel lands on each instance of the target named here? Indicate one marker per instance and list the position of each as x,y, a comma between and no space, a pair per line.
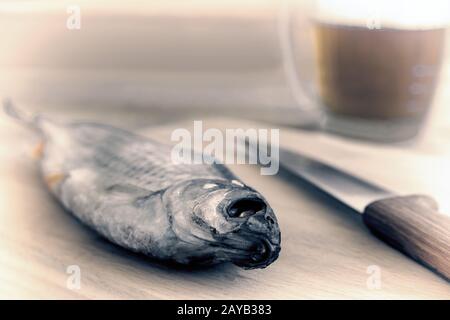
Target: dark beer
378,73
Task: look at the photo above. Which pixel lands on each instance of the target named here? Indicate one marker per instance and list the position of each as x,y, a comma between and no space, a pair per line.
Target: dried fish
125,187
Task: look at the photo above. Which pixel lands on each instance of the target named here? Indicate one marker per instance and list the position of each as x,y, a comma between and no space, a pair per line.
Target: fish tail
23,117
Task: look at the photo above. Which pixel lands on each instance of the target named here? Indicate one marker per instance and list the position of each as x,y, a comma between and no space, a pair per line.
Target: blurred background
176,57
205,55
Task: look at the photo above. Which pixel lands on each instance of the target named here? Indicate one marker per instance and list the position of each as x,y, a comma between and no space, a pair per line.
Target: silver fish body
128,189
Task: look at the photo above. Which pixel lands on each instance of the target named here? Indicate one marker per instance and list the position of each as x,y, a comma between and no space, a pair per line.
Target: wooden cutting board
326,250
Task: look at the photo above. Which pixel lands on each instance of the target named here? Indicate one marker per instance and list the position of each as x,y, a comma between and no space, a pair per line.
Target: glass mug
376,63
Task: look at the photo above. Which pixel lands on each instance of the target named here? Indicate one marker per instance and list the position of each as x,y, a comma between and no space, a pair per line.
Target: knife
410,224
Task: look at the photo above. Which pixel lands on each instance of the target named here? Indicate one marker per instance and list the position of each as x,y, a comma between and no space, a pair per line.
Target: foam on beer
398,14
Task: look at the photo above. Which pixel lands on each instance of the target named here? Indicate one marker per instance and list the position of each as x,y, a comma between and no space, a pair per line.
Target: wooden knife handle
413,225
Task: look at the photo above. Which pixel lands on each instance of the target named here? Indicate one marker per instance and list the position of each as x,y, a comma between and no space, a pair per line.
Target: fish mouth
259,255
256,244
241,226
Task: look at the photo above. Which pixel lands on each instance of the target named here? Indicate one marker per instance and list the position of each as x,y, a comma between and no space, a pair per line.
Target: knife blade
410,224
350,190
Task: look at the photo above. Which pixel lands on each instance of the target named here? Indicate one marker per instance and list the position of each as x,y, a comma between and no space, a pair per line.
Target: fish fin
38,150
138,195
129,189
149,198
54,179
44,126
23,117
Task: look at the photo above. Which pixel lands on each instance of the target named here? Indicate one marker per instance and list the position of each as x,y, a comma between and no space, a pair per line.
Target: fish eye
209,186
236,182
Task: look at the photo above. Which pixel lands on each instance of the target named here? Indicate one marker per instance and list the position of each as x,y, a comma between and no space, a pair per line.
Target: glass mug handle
303,91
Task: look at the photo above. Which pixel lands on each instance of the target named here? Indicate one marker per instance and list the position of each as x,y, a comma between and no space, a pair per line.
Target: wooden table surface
326,250
224,63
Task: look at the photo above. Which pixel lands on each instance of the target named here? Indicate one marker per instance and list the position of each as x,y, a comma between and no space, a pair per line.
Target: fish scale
139,159
127,188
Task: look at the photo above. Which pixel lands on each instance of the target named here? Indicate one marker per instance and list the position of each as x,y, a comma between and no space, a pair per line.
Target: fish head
229,218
